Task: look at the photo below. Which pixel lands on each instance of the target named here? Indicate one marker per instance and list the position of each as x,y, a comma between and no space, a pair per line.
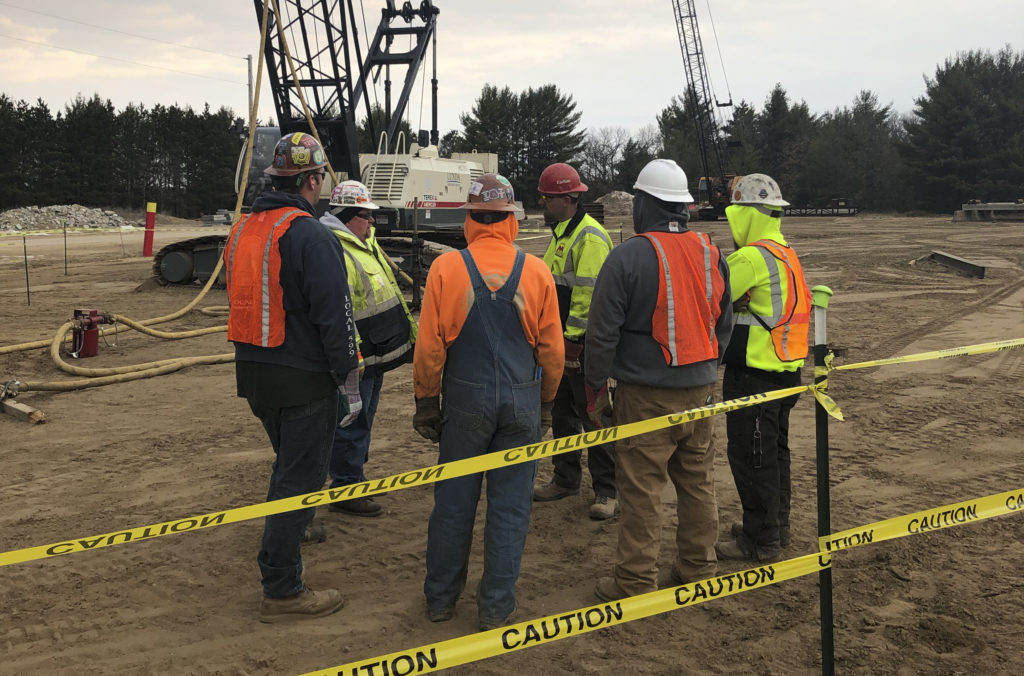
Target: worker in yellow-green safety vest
386,329
578,248
767,351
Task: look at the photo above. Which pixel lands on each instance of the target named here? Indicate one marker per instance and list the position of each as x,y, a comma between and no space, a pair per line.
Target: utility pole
249,59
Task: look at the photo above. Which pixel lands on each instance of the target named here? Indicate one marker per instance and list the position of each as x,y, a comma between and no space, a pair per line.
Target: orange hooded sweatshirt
449,296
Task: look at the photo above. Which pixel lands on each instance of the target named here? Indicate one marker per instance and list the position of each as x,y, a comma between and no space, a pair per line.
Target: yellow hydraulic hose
82,383
58,340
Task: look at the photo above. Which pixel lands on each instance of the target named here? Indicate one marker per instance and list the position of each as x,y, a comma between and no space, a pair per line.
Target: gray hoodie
619,341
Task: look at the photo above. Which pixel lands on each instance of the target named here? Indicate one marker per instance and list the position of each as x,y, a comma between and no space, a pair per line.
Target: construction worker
659,323
578,248
386,330
490,323
766,353
296,358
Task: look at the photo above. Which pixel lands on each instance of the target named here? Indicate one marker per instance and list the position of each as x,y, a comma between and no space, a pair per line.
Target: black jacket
319,347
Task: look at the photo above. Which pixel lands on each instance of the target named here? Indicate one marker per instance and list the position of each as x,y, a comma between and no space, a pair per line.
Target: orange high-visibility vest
690,291
252,262
790,328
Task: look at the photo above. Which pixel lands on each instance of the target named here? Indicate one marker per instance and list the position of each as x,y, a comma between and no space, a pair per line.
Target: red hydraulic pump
85,333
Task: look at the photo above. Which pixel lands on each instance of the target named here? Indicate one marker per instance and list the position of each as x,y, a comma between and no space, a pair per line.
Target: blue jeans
509,500
490,401
352,444
301,437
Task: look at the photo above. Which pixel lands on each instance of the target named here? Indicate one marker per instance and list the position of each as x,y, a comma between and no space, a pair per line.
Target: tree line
963,140
90,154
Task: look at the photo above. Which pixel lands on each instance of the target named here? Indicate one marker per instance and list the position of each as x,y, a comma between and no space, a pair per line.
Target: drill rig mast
335,78
715,184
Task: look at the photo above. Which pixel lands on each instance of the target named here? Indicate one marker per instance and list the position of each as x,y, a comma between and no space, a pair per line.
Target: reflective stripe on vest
791,313
257,321
374,309
678,312
568,276
372,306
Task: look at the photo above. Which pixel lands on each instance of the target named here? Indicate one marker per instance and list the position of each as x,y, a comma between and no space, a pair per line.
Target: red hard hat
560,179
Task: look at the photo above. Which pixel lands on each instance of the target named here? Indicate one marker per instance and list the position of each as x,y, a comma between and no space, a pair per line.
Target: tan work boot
552,491
607,589
307,603
604,507
732,550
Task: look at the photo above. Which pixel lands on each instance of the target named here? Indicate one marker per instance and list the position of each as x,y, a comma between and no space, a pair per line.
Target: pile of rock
56,216
617,203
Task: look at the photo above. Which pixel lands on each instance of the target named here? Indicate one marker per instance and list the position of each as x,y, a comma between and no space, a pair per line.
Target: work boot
315,532
307,603
552,491
607,589
487,625
737,530
357,507
604,507
674,578
733,550
441,614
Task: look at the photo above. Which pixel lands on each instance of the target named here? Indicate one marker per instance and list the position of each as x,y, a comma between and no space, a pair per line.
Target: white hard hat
665,180
758,189
352,194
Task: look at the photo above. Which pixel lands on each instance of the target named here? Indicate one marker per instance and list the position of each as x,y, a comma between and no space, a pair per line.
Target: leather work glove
742,304
545,417
349,393
427,419
599,404
573,350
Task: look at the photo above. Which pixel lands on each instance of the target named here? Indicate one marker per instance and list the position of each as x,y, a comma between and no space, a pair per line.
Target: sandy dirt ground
917,436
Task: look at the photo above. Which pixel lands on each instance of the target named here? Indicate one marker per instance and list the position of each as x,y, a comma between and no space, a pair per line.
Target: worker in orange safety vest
660,320
768,348
296,357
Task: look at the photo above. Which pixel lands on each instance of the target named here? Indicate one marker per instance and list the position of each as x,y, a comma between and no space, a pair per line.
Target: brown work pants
643,465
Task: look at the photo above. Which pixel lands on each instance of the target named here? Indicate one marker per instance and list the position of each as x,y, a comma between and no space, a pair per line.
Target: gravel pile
617,203
54,217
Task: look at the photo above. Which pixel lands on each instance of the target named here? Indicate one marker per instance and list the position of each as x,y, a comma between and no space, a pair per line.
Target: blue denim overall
490,402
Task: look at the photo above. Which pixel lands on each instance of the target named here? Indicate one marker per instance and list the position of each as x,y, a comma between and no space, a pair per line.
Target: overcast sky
619,59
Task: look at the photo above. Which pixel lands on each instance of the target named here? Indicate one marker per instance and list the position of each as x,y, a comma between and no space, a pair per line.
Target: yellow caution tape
391,483
820,391
946,516
474,465
980,348
474,647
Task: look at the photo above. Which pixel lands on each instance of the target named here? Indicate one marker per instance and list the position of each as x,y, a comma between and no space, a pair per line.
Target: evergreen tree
742,150
679,139
966,137
369,135
11,181
528,131
88,142
784,134
134,147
